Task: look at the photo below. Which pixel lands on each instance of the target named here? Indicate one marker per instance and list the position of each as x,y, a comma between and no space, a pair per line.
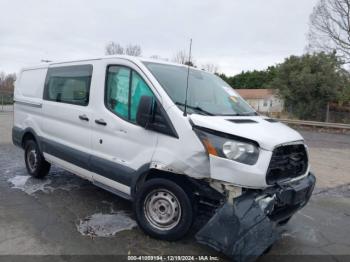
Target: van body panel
64,133
120,141
82,172
239,174
268,135
67,165
173,154
28,99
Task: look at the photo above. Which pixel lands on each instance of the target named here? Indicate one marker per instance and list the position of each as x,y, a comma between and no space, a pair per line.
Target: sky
236,35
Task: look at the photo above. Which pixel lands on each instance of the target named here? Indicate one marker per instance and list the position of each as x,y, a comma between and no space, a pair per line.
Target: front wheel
163,209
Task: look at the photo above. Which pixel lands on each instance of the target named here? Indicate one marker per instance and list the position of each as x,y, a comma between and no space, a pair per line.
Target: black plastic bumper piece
244,230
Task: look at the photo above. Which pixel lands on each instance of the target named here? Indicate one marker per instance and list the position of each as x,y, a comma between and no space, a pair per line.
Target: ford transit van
174,140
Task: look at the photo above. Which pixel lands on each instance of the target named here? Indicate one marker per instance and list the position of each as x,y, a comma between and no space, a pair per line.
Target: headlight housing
228,146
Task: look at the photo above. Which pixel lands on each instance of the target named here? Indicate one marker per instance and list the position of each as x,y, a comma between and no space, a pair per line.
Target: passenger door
67,117
121,147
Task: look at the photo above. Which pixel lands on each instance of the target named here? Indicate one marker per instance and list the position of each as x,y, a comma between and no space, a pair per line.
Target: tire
284,221
36,164
163,209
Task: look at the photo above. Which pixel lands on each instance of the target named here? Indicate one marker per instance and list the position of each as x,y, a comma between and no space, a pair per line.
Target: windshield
208,94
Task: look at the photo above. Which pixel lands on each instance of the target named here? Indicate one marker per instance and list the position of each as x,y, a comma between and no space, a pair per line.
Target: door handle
84,118
100,122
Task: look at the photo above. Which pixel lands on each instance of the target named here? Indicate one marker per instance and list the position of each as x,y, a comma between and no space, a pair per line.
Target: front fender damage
241,230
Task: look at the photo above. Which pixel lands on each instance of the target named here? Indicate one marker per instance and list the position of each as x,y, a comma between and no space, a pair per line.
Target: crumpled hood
267,134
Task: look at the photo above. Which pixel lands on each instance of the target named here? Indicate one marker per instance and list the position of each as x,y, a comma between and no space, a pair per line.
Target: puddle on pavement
106,225
30,185
53,182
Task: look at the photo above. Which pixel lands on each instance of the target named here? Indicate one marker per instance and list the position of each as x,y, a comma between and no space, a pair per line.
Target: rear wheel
163,209
36,164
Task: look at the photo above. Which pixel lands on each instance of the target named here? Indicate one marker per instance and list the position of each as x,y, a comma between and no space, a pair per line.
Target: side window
139,88
69,84
117,92
124,89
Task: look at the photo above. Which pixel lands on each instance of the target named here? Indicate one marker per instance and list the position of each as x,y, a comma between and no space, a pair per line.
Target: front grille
287,162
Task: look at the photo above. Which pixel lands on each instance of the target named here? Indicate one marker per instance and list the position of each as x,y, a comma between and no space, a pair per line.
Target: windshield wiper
197,108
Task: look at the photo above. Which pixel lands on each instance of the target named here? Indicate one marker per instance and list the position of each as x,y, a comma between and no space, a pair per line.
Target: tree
210,67
252,79
113,48
309,82
223,77
7,83
133,50
330,28
181,57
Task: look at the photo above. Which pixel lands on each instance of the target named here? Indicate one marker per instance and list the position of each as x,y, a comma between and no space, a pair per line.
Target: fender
18,135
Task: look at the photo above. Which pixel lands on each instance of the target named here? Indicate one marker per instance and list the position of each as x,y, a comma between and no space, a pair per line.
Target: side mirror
145,111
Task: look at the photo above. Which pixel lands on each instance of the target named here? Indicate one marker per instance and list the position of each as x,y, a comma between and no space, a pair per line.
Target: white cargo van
119,122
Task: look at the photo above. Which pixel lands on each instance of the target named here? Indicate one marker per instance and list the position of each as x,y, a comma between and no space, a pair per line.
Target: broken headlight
228,146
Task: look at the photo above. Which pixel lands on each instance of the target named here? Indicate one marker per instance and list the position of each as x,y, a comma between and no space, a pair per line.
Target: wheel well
26,137
194,187
155,173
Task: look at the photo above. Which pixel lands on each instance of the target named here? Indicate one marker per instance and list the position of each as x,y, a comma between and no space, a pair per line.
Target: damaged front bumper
244,229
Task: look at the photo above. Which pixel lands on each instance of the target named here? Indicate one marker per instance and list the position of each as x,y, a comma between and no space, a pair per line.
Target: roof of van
126,57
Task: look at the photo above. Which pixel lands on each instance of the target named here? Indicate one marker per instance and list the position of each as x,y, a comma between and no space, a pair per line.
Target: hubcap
162,209
32,160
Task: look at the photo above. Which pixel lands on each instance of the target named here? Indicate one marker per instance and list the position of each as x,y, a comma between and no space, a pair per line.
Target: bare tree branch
210,67
113,48
330,28
180,57
133,50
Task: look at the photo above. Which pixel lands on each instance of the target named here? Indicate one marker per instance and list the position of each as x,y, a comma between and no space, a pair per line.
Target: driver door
121,147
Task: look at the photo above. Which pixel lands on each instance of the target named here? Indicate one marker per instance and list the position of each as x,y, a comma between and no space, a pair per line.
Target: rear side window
69,84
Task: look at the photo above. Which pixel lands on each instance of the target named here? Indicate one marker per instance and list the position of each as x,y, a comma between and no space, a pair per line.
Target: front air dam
245,229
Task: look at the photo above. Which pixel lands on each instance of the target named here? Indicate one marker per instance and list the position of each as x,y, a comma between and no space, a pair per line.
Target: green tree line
307,83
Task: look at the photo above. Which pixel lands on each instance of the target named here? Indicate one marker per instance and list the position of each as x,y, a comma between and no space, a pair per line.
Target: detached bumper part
244,230
240,231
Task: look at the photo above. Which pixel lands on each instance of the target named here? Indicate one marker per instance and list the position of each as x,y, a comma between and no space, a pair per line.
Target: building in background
263,100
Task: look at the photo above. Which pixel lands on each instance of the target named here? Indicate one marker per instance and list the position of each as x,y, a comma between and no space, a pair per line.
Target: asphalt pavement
66,215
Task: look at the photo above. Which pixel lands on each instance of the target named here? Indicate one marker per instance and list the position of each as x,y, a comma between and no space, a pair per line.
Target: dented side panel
183,155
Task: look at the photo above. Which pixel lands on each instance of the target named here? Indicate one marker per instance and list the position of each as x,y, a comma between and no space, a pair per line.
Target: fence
329,114
6,102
